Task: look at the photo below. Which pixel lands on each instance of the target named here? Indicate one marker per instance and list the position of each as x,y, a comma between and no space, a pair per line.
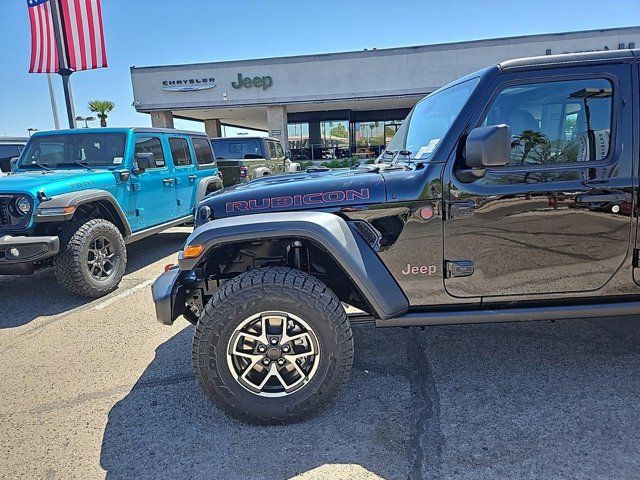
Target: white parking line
126,293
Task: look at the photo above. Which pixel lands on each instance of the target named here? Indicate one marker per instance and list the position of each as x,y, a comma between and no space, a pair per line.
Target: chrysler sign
188,84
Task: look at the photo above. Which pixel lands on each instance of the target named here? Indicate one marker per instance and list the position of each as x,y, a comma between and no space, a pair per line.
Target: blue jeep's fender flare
76,199
205,183
330,232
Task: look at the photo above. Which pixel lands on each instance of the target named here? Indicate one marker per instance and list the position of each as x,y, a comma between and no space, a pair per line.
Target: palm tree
529,139
102,108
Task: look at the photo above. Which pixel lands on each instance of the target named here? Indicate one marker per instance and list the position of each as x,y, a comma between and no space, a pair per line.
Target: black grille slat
5,216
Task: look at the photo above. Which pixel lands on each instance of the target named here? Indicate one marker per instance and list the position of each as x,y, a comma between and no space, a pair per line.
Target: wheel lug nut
274,340
285,348
281,361
262,349
265,361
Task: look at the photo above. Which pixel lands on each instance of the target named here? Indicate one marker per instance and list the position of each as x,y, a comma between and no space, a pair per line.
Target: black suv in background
510,194
10,147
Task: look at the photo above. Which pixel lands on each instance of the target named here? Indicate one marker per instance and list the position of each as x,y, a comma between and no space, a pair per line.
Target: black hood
299,191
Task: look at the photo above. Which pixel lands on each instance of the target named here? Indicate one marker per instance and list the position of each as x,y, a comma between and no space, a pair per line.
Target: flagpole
63,71
54,106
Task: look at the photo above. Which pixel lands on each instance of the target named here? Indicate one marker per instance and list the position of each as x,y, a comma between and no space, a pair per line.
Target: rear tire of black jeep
273,346
92,258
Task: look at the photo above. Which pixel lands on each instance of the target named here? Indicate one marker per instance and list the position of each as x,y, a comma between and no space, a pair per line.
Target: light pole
86,120
32,130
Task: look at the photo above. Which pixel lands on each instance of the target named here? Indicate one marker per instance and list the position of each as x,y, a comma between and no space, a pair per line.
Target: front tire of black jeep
272,346
92,258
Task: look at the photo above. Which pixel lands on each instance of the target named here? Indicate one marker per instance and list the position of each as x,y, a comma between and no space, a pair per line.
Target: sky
161,32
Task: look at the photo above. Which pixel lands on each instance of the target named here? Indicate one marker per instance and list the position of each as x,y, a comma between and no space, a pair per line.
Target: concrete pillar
213,127
162,119
277,124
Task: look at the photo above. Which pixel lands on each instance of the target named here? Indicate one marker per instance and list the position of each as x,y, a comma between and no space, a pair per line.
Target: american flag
82,34
44,54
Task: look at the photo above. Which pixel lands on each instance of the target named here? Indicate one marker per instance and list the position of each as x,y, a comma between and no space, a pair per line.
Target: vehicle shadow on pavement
166,428
24,298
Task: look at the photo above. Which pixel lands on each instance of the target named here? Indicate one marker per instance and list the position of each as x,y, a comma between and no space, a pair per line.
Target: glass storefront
337,139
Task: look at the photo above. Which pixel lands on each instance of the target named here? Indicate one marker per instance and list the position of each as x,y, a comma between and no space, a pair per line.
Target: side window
204,154
272,150
555,122
151,145
279,151
180,152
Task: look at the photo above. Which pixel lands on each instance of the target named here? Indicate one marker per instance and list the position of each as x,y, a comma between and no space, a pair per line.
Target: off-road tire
70,264
272,289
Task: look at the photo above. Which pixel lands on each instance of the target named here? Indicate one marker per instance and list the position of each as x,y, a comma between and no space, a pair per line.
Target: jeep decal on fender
286,201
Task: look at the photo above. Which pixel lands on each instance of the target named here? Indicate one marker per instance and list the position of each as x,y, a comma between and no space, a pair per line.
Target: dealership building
350,102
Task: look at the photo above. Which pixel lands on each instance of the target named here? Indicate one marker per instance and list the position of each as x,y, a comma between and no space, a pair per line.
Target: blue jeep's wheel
92,258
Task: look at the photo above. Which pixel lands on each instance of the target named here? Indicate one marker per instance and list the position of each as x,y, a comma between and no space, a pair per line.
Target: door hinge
458,268
461,209
180,202
636,258
139,211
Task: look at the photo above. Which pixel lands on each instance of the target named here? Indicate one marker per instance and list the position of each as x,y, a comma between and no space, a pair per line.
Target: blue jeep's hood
299,191
55,182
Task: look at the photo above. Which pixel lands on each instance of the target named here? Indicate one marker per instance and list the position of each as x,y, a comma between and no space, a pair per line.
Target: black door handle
192,177
167,181
611,197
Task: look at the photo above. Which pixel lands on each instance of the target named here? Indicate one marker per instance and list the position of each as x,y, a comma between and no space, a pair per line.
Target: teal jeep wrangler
76,198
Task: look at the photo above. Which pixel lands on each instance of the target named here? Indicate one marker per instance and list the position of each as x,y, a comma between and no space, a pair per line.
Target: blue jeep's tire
92,258
273,346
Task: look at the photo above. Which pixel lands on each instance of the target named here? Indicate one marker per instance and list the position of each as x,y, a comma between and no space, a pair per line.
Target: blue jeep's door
184,172
155,195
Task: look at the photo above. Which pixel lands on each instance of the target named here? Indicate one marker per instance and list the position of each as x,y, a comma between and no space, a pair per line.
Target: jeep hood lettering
318,190
56,181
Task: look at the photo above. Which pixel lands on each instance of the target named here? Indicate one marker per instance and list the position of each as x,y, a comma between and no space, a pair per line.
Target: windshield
237,148
90,149
429,121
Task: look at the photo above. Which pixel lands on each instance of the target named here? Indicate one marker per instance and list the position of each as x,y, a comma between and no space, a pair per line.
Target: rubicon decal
286,201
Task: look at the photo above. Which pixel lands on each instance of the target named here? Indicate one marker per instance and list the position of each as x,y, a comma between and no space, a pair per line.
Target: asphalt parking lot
100,389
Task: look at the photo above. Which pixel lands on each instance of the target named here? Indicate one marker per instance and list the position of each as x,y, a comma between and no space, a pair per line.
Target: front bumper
18,254
169,296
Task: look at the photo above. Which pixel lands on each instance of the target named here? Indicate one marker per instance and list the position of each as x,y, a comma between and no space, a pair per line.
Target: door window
151,145
180,152
555,122
204,154
279,151
272,150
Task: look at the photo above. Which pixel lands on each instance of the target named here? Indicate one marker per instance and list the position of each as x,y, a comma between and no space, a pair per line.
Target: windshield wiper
404,153
41,165
78,162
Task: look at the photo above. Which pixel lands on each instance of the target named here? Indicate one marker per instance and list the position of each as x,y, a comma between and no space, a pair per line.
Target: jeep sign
257,82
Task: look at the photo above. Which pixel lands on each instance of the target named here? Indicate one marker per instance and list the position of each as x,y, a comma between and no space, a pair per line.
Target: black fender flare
358,260
204,184
76,199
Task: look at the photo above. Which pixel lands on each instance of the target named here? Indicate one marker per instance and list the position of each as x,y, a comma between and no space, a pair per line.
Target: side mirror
143,161
13,163
488,147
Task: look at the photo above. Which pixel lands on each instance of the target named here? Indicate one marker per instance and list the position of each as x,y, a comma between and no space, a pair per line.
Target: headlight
23,205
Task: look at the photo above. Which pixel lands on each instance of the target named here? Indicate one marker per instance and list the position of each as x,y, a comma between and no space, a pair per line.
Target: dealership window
151,145
555,122
180,152
298,135
204,154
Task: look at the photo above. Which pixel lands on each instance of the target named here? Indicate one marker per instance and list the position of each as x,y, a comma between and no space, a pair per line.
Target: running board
521,314
156,229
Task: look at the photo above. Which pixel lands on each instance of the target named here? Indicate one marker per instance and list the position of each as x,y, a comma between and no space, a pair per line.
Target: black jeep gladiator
507,195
